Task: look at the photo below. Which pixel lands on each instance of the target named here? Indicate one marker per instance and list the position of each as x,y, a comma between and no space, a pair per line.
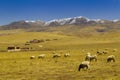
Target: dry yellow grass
19,66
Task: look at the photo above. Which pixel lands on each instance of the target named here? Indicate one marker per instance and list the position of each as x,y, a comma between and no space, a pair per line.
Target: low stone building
13,48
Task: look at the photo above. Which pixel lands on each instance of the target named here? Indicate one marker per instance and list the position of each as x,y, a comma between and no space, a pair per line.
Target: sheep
41,56
83,65
32,57
105,52
94,57
99,53
86,62
56,55
67,55
87,57
111,58
90,58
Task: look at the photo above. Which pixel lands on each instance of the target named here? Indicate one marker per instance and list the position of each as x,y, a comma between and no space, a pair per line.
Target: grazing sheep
87,57
41,56
86,62
67,55
105,52
94,57
32,57
83,65
99,53
90,58
56,55
111,58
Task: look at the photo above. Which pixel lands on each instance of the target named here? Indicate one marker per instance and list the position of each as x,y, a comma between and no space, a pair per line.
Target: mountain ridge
76,25
68,21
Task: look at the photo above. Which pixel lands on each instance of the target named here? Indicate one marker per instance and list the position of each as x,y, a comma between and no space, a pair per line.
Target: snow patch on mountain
71,20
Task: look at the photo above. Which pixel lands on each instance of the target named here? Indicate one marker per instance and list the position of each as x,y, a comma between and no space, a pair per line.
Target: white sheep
56,55
84,64
87,57
41,56
94,57
67,55
90,58
32,57
111,58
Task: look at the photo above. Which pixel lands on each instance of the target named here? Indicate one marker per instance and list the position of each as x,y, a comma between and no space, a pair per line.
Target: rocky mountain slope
76,25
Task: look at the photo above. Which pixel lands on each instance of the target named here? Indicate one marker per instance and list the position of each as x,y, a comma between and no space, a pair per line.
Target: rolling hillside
57,39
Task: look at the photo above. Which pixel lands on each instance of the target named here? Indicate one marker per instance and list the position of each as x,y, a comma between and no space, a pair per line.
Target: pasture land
19,66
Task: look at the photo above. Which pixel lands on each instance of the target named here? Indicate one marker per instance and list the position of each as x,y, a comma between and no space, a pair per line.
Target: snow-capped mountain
60,22
78,21
64,21
38,22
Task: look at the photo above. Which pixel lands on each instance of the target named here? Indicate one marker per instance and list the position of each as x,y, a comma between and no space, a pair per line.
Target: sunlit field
19,66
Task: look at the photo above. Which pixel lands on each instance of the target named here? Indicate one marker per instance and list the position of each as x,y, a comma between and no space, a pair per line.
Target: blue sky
15,10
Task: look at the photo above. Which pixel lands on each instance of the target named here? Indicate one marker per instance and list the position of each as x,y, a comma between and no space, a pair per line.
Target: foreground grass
19,66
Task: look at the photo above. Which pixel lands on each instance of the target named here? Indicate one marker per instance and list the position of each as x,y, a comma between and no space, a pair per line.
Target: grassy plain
19,66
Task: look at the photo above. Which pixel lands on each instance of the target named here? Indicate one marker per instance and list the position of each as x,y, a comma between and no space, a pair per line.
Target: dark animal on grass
99,53
56,55
32,57
84,65
111,58
94,57
105,52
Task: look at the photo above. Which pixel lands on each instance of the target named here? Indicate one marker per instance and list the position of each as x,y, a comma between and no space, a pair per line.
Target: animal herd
88,58
86,64
55,55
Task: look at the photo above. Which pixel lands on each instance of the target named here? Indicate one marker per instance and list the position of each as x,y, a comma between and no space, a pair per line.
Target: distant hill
22,25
